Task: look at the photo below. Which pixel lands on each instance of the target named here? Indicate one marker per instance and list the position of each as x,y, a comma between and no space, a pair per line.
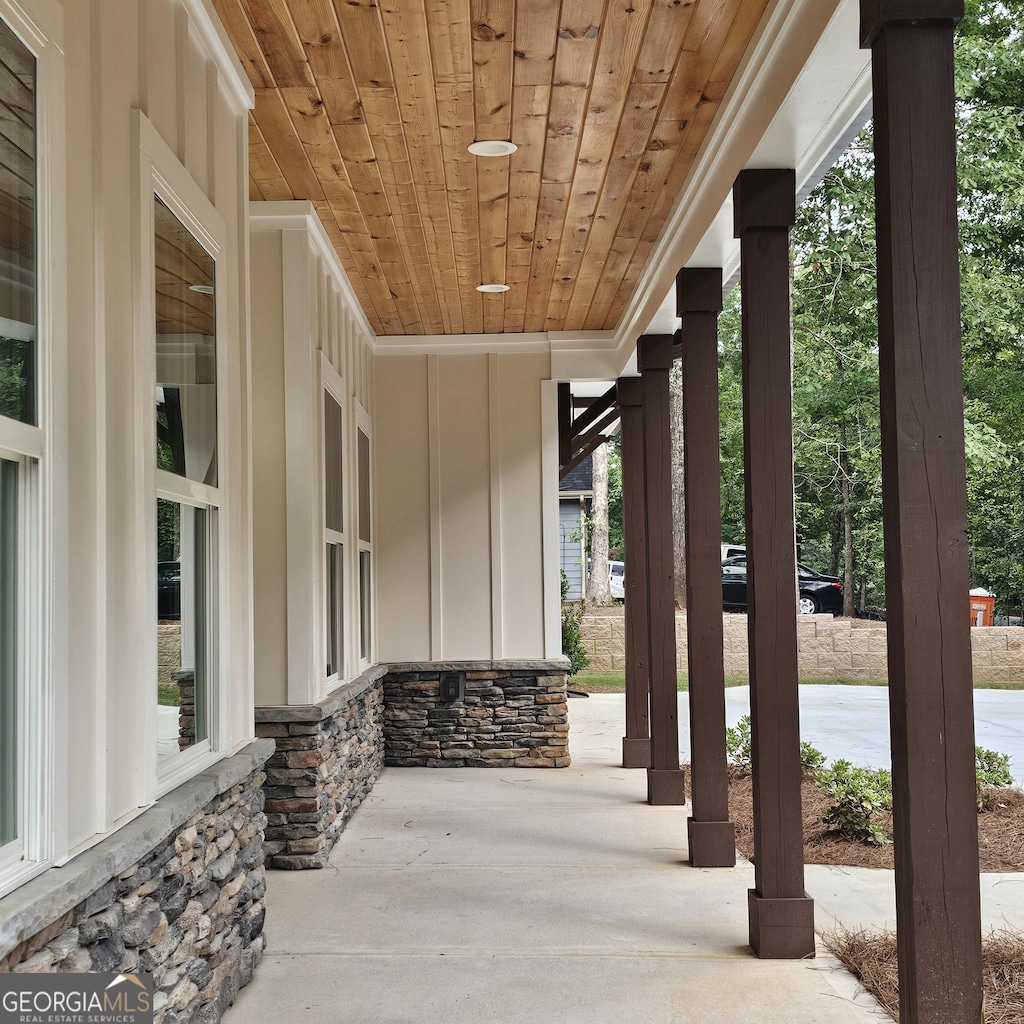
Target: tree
597,585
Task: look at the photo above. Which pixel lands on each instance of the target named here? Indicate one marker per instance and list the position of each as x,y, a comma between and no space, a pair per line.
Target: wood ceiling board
536,37
247,46
370,109
451,41
281,138
364,42
278,38
554,197
492,23
16,133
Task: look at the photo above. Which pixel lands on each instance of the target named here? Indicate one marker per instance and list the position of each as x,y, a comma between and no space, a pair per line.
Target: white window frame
332,383
161,175
362,422
38,451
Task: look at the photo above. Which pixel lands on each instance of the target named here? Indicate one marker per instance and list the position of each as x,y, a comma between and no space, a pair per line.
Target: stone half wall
829,648
500,714
328,757
177,892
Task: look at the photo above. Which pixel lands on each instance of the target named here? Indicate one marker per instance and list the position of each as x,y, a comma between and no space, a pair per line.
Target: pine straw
1000,830
871,957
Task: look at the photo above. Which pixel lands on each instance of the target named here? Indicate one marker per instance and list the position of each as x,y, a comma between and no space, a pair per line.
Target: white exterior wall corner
159,58
307,325
464,524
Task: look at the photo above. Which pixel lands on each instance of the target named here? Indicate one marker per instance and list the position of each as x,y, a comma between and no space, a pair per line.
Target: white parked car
617,580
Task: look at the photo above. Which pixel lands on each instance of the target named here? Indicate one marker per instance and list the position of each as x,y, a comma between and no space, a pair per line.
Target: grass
167,696
614,681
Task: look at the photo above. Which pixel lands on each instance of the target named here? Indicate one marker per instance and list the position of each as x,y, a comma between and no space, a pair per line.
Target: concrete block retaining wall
514,714
177,892
828,647
328,757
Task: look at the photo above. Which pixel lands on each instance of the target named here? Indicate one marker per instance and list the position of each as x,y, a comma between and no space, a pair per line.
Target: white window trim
162,175
361,421
333,383
42,488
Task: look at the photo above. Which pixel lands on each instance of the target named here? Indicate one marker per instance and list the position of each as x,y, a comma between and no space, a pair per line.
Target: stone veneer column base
328,757
510,714
177,892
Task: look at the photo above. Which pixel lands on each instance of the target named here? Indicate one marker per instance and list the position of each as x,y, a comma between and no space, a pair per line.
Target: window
21,449
188,497
334,536
365,540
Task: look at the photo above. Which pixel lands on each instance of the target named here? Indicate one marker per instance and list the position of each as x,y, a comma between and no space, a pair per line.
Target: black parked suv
817,592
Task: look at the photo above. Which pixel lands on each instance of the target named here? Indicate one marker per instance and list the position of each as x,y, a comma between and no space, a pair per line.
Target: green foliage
992,771
737,744
15,370
616,536
812,760
572,642
857,793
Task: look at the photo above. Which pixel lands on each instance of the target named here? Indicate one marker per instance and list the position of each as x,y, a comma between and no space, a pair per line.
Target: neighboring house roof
580,479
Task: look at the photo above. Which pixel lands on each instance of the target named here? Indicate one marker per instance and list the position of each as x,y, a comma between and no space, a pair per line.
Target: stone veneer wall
177,892
514,714
828,647
328,757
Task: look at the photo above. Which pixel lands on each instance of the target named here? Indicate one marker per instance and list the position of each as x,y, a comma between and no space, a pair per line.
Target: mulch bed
1000,830
871,958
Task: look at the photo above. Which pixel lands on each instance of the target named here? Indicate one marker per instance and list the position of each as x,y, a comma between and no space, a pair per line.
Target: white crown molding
215,37
300,214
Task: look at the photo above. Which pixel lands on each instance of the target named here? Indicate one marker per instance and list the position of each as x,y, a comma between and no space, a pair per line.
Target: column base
781,929
636,752
712,844
666,786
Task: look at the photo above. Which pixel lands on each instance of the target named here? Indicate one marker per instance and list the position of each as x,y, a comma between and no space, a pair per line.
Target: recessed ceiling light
203,289
492,148
492,287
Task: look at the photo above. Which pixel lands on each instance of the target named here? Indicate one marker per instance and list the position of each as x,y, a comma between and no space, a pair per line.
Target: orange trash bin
983,610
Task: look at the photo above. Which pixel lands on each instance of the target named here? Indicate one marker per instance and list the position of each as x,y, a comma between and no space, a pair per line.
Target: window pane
364,487
334,518
17,230
335,609
8,651
184,633
365,605
186,352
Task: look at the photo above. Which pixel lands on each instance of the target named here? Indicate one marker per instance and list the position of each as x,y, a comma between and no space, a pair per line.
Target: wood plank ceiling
366,107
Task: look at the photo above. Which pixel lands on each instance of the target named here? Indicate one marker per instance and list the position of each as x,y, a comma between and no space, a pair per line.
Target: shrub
572,642
857,793
811,758
737,744
992,771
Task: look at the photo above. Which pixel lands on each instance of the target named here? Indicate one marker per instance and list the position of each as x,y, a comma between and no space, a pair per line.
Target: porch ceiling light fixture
495,147
203,289
492,287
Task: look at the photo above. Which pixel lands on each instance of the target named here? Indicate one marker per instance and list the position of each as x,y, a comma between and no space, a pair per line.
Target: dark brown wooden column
711,835
666,783
925,510
781,914
636,744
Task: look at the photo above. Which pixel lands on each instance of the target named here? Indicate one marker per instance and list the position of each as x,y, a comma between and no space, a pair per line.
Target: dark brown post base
666,786
636,753
712,844
781,929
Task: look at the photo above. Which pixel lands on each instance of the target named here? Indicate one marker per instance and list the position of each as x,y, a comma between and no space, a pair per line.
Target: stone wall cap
327,706
50,895
551,665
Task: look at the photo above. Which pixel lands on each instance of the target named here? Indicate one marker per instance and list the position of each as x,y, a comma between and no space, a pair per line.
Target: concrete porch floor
508,895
